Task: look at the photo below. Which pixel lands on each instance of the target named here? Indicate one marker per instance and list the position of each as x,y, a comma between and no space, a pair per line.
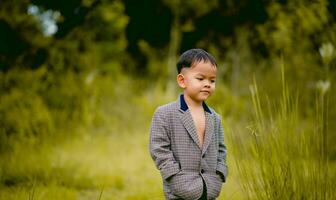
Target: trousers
204,194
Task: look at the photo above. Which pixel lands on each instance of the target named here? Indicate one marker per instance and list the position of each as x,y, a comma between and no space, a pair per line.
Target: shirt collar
184,106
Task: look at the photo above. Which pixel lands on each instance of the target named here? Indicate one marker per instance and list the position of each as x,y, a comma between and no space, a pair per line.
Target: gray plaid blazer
175,149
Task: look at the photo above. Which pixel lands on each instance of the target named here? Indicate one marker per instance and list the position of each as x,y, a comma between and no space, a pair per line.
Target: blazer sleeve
221,160
160,146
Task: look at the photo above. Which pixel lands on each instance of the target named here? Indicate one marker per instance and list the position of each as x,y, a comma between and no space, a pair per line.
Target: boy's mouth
208,92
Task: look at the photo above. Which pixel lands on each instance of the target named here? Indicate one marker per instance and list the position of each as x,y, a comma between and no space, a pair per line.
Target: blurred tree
24,45
222,20
90,37
73,13
17,33
296,30
172,26
332,8
144,38
12,45
149,20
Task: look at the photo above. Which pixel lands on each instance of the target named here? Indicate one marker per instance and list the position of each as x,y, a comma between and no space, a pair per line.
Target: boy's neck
191,103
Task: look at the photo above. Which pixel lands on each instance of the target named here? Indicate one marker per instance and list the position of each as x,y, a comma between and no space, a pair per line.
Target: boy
186,136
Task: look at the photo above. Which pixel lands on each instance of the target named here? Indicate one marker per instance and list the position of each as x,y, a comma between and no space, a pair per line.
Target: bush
23,115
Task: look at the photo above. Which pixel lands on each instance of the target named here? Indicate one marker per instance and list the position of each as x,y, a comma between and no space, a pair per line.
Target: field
272,152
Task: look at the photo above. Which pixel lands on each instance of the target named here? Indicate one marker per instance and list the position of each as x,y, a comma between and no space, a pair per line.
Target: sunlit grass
105,159
118,164
276,156
283,155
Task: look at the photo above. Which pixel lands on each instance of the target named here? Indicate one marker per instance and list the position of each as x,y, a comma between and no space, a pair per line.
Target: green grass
118,163
283,155
107,158
278,155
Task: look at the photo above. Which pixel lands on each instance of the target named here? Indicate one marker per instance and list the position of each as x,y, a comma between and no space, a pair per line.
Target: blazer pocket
215,185
186,186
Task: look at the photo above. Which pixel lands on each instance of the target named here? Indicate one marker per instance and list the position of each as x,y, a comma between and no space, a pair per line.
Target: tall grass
285,155
94,145
105,158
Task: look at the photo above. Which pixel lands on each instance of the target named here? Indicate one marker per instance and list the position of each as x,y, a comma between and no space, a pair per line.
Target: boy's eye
200,79
212,81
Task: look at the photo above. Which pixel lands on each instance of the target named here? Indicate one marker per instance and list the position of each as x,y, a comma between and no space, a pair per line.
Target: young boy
186,136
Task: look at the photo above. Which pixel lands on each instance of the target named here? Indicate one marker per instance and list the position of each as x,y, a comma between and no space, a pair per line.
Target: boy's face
198,81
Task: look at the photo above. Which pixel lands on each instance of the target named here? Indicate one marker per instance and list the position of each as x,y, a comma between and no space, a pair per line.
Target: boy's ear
181,81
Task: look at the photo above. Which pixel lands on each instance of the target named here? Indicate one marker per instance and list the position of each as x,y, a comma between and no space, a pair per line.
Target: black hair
192,56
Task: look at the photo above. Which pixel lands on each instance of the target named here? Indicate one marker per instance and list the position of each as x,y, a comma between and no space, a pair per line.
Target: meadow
274,152
80,80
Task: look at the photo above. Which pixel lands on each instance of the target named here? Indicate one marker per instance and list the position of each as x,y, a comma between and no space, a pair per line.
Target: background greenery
80,80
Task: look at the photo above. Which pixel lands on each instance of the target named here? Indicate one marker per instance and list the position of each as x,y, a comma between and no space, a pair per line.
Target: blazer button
202,171
203,155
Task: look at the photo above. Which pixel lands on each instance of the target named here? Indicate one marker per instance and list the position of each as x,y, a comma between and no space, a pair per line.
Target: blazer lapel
209,129
188,123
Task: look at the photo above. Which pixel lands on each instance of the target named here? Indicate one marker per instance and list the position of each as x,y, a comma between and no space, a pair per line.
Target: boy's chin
203,97
199,97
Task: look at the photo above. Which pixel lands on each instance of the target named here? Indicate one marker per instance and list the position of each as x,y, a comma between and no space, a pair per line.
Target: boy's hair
192,56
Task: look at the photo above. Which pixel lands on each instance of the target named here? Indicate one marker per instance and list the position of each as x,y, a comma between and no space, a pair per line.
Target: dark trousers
204,194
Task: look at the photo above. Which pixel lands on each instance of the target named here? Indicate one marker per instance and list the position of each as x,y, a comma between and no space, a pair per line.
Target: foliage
75,106
285,155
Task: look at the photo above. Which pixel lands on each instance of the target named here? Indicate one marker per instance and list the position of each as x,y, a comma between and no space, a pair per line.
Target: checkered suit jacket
175,148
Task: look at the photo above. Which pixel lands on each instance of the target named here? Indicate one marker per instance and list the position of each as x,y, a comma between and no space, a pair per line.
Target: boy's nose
207,83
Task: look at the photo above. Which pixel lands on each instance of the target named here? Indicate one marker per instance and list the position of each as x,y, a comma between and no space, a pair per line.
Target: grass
279,155
82,167
283,155
113,166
